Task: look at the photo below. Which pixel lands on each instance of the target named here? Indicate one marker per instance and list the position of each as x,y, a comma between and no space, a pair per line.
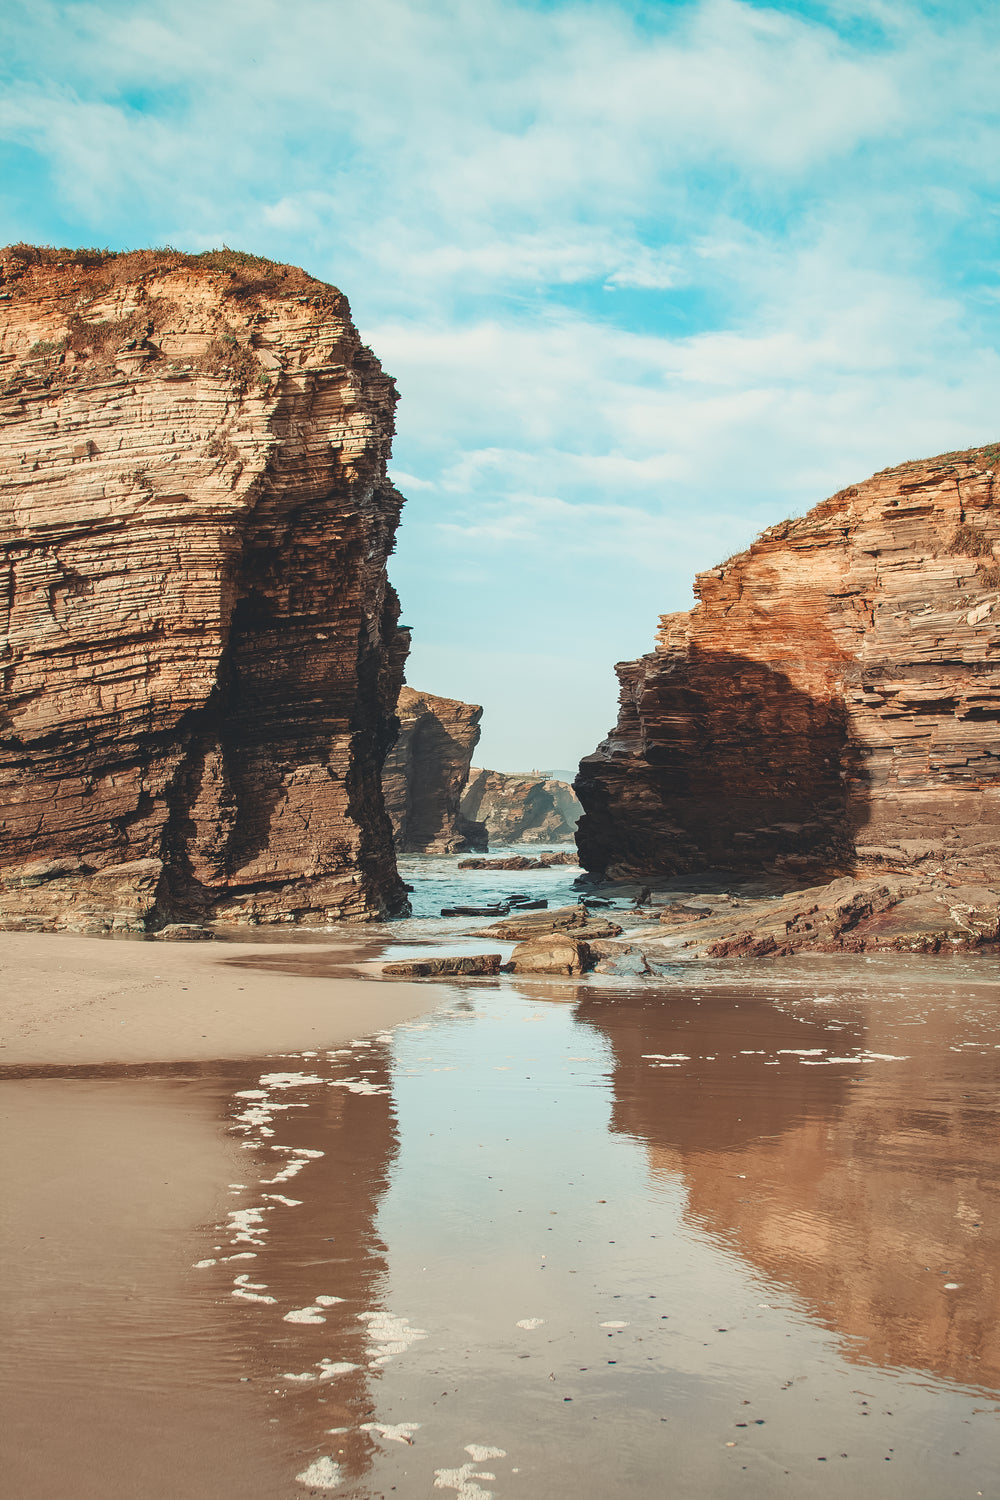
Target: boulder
552,953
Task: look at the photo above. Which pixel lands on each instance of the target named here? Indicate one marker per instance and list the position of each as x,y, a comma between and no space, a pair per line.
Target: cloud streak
650,275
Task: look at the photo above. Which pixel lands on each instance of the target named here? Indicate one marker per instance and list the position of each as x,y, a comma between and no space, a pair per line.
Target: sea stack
521,808
201,656
831,703
426,772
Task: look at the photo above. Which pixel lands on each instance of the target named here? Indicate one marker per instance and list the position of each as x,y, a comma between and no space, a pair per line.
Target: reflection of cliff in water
869,1189
325,1246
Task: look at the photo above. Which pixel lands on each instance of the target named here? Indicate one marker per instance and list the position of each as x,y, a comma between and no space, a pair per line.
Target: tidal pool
731,1235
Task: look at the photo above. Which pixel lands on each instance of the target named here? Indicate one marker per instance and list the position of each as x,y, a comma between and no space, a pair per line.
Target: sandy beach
68,1000
109,1182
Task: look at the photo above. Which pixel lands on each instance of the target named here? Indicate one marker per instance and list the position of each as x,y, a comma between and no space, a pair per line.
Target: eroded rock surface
426,771
200,655
831,703
521,809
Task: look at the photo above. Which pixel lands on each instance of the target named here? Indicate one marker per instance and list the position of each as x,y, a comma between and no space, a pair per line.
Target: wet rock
183,932
893,913
439,968
552,953
518,927
519,862
474,911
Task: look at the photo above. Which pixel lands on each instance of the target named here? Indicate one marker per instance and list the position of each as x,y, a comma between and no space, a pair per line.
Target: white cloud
649,277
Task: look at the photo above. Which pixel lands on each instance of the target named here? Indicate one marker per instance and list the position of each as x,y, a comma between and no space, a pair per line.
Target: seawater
732,1234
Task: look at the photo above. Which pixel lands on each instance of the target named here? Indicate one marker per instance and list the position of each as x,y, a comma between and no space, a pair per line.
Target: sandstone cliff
520,809
426,771
832,701
200,656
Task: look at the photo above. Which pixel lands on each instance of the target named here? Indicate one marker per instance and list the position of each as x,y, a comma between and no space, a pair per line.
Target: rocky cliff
831,702
426,771
200,654
520,809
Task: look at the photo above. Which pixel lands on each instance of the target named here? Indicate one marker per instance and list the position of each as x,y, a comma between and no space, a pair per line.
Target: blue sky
650,276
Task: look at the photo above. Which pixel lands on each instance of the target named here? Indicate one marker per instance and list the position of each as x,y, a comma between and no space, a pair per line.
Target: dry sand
66,999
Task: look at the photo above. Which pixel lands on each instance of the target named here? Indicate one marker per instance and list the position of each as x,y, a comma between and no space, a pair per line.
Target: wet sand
105,1186
122,1378
273,1233
66,999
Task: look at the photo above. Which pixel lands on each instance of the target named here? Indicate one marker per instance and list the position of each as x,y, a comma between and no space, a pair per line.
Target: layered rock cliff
426,771
831,702
522,809
200,655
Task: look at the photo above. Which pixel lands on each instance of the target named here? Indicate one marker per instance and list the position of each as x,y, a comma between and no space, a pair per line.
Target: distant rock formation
831,703
200,656
425,772
522,809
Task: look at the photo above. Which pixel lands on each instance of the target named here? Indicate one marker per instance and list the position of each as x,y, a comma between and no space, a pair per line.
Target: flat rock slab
891,913
518,927
438,968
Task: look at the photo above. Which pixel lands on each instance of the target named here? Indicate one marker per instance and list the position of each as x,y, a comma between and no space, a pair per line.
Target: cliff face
832,700
426,771
522,809
200,656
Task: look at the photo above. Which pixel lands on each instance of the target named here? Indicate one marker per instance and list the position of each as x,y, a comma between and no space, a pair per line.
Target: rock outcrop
200,654
425,772
831,704
521,809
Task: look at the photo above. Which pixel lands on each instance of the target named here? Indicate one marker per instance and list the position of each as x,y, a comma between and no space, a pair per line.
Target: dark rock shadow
720,762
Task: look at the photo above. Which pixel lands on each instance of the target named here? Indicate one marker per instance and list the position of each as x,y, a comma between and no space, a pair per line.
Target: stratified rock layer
200,657
426,771
522,809
831,702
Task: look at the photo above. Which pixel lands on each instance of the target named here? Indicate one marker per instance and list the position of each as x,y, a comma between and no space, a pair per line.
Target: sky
650,276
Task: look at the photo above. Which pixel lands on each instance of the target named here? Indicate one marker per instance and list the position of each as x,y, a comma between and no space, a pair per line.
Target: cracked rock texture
426,771
522,809
831,703
200,655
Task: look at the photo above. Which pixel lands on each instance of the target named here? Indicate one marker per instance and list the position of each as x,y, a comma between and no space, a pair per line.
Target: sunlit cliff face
867,1186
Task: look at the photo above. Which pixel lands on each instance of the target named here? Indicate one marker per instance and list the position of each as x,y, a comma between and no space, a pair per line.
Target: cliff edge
831,703
200,656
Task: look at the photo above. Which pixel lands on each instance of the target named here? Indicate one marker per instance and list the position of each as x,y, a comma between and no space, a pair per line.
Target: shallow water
734,1234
